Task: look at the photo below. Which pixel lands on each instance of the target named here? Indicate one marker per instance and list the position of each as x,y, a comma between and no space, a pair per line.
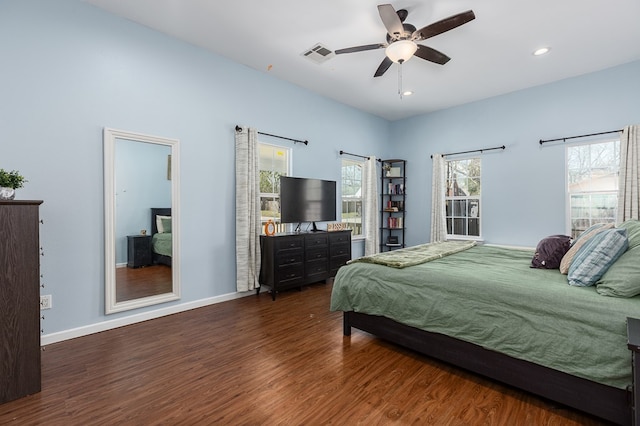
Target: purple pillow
549,252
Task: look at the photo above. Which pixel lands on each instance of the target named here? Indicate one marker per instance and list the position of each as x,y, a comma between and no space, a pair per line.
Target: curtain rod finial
238,128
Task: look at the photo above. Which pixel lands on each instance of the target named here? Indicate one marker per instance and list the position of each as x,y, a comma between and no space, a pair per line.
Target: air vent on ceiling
318,53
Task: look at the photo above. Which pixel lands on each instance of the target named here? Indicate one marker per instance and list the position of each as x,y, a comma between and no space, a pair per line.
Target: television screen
307,200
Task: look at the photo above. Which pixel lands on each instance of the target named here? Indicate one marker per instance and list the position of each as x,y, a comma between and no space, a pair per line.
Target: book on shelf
395,222
395,188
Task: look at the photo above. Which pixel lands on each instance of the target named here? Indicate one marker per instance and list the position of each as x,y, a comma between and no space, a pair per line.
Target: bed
161,240
565,343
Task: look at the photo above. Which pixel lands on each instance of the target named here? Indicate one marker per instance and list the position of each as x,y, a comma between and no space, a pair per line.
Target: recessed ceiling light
541,51
407,93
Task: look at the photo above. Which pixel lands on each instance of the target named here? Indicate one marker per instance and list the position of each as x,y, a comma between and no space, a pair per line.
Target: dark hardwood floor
135,283
252,361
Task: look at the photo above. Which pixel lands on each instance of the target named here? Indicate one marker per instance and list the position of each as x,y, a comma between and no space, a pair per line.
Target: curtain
438,224
371,213
247,210
629,178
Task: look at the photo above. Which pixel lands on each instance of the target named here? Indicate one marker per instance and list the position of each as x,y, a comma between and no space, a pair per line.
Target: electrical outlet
45,302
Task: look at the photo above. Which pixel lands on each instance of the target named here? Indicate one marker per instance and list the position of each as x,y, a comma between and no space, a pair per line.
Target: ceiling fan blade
432,55
391,20
360,48
443,25
384,66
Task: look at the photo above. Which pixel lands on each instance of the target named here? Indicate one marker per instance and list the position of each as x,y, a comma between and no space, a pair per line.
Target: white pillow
159,223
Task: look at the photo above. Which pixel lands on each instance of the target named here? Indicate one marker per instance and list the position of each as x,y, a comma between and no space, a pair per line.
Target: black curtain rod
239,129
474,150
355,155
579,136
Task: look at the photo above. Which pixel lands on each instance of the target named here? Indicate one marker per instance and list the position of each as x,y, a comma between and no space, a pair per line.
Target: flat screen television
307,200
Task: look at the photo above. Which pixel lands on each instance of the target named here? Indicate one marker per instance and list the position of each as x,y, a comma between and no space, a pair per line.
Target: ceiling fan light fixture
401,51
541,51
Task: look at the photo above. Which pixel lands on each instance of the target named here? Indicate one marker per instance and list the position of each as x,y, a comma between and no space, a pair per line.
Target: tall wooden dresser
19,299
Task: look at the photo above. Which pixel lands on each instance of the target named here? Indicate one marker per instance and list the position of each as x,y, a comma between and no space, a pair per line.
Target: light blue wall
69,70
523,187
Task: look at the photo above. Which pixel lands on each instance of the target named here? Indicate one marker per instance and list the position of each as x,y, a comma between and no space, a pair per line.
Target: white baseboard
47,339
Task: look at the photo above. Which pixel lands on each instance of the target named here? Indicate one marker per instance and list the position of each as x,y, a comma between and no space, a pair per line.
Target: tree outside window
274,162
462,198
592,180
352,195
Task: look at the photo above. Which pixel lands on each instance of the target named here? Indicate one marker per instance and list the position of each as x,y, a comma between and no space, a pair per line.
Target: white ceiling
491,55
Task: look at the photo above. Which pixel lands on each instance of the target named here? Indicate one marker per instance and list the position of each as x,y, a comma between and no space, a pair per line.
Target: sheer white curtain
438,224
629,180
247,210
371,213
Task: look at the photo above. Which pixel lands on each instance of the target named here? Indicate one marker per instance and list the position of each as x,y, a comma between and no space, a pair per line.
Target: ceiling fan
402,38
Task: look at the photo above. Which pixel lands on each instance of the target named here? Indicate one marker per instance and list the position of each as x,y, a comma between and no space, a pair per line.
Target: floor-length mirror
142,238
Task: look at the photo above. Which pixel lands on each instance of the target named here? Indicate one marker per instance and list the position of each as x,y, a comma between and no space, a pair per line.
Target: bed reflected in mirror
141,220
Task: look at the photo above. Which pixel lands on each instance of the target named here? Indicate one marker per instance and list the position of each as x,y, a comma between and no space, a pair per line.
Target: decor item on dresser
9,182
484,309
293,260
19,299
392,200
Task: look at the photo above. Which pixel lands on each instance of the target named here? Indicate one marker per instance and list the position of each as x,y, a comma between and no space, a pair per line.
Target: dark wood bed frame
159,258
613,404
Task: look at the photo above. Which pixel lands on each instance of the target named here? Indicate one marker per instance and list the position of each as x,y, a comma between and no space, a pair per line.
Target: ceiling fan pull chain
400,79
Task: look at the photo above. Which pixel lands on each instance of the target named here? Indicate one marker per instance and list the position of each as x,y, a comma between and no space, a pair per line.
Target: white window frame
343,197
592,192
280,227
453,198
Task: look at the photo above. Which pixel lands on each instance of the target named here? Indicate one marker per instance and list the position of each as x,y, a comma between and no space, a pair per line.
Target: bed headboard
155,211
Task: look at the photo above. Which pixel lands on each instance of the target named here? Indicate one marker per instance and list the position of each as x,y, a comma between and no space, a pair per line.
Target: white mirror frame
111,304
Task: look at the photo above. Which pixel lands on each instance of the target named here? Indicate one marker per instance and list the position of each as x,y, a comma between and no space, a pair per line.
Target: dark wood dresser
293,260
19,299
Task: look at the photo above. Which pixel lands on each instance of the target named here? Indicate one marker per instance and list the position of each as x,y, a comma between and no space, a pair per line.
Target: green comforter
491,297
161,243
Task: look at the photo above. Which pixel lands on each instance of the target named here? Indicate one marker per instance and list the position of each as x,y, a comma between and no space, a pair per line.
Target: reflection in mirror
141,220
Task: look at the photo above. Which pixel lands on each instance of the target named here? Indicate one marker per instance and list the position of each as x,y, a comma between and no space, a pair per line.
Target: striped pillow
582,239
596,256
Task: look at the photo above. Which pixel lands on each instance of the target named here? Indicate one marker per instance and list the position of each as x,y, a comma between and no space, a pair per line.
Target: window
274,162
462,198
352,195
592,180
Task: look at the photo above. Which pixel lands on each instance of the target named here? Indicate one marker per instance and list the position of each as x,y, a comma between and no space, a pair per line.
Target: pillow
633,232
159,223
550,250
623,277
579,242
166,225
596,256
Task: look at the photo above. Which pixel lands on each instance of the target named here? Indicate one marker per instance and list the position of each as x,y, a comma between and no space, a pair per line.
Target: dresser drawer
316,253
340,250
340,237
336,263
314,240
289,243
289,257
290,275
316,270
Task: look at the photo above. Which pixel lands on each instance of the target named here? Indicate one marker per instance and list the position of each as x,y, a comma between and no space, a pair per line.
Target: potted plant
9,182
